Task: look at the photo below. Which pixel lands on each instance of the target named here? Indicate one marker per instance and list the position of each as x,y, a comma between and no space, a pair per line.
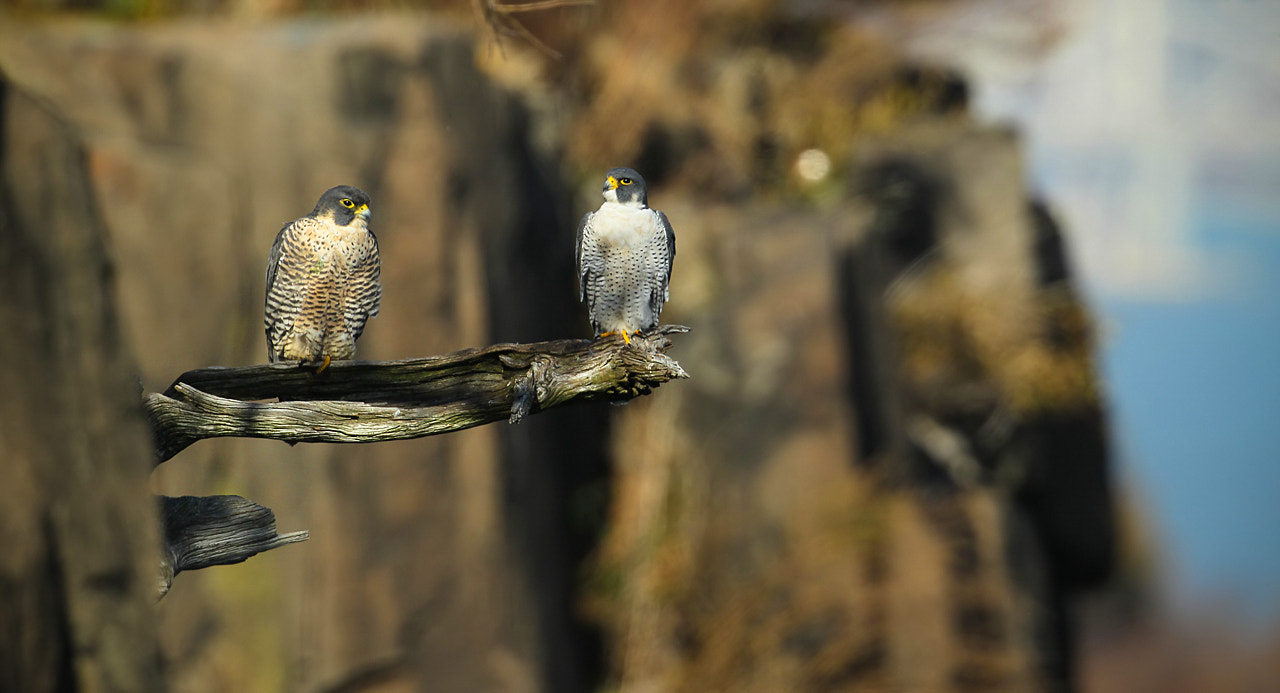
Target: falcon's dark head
344,203
625,185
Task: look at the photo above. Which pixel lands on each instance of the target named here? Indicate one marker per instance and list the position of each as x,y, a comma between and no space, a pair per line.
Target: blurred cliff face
863,484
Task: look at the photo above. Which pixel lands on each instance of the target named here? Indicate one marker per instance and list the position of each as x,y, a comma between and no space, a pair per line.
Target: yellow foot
625,337
324,365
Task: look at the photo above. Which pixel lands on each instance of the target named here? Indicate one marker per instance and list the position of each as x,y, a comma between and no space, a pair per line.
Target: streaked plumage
323,281
624,253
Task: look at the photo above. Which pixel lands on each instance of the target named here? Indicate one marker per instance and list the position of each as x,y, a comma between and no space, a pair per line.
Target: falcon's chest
622,226
338,248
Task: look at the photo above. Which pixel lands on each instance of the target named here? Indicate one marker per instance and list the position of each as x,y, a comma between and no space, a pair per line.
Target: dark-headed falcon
323,281
624,256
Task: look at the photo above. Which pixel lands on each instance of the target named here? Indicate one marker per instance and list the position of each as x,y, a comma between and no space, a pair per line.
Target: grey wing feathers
277,322
273,260
657,300
588,262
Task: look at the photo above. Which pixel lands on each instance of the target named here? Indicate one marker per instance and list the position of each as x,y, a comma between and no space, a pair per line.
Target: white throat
611,198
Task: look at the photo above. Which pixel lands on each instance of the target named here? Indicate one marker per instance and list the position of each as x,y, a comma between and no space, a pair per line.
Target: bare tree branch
200,532
366,401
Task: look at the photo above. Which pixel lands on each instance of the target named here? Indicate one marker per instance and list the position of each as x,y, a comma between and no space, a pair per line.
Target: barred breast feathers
322,286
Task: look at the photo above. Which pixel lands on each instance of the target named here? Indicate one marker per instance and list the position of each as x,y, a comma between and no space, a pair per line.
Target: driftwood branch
367,401
200,532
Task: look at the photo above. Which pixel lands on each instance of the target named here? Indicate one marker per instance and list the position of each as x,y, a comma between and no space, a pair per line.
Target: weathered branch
367,401
200,532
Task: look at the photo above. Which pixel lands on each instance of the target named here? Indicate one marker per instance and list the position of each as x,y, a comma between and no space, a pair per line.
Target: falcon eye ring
348,203
625,181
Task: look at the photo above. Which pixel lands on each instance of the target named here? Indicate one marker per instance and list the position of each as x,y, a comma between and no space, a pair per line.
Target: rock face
77,574
888,470
200,144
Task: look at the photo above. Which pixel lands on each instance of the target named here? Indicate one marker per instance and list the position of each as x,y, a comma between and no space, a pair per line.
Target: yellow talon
626,337
323,365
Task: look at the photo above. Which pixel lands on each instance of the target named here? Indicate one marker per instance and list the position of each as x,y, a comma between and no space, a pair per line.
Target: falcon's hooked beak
364,212
610,183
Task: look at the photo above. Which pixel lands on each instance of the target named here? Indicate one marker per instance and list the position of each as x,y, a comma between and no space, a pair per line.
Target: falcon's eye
346,202
625,181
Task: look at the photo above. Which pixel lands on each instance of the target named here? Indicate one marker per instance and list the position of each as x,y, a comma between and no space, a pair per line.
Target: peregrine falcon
323,281
624,256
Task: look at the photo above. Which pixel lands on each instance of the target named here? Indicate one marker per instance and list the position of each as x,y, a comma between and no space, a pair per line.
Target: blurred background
983,332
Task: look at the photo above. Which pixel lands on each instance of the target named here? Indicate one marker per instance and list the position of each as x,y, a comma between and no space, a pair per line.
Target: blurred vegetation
717,96
722,97
160,9
951,334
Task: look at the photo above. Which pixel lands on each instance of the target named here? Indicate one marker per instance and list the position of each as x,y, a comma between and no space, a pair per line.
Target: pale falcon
323,281
624,256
